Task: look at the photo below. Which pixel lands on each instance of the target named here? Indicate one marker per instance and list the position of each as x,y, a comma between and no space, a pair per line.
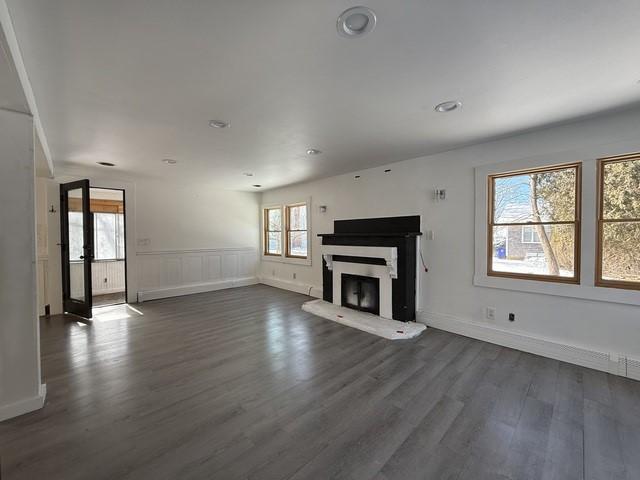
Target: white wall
42,247
447,293
194,238
20,388
167,224
189,217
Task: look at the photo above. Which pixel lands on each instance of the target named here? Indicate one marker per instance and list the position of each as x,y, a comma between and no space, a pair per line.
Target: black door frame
72,305
126,255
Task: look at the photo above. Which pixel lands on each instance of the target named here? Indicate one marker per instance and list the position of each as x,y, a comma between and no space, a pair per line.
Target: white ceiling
135,81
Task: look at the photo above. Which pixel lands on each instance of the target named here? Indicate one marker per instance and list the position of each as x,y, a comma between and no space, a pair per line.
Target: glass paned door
77,247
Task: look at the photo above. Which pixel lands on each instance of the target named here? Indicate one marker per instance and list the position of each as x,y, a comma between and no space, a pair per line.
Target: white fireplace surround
389,254
364,270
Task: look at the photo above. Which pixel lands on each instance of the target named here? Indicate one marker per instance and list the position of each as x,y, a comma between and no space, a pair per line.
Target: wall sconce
439,194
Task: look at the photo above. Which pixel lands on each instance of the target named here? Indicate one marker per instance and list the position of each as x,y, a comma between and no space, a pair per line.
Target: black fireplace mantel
399,232
371,234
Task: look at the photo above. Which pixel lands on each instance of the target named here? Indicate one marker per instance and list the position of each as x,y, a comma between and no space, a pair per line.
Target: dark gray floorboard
242,384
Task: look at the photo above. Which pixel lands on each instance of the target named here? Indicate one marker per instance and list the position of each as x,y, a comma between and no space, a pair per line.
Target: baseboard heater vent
633,368
613,363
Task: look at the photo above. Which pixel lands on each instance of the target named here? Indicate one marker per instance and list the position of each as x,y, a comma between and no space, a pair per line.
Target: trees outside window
108,231
618,256
544,204
273,231
297,231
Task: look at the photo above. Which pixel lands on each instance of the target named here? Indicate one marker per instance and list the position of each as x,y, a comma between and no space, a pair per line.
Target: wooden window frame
576,223
599,281
288,229
266,231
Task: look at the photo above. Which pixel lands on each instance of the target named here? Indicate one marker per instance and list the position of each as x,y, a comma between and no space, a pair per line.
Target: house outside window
529,235
533,225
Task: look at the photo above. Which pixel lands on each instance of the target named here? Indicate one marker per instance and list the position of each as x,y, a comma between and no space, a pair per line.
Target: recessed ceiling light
356,22
218,124
257,185
170,161
106,164
448,106
248,174
313,151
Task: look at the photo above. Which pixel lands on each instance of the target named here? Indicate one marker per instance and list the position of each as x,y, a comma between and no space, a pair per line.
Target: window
108,236
618,260
530,235
286,233
534,224
273,231
297,230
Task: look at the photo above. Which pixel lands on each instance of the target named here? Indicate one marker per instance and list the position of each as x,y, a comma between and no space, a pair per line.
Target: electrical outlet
490,313
512,317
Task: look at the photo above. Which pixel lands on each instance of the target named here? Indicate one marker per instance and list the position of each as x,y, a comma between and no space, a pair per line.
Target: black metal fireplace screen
361,293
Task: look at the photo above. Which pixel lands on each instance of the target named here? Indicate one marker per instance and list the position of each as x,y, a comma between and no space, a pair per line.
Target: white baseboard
24,406
297,287
589,357
176,291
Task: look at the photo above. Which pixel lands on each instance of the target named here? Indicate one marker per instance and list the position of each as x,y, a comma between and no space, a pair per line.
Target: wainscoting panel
169,274
106,277
214,267
230,266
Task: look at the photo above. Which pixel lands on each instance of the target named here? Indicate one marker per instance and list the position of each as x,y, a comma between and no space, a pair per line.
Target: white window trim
282,258
533,232
586,289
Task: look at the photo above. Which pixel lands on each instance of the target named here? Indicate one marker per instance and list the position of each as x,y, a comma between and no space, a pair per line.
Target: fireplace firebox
361,293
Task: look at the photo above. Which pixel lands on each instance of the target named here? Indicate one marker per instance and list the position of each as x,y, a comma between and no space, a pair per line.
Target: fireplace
361,293
370,265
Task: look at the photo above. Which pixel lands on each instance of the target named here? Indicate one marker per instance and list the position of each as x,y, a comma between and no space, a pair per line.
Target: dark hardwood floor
242,384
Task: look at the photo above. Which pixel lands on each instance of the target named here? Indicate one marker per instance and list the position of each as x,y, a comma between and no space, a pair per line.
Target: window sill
290,260
585,292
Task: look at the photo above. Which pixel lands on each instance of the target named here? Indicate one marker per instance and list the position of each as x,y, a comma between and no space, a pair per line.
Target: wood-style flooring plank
243,384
